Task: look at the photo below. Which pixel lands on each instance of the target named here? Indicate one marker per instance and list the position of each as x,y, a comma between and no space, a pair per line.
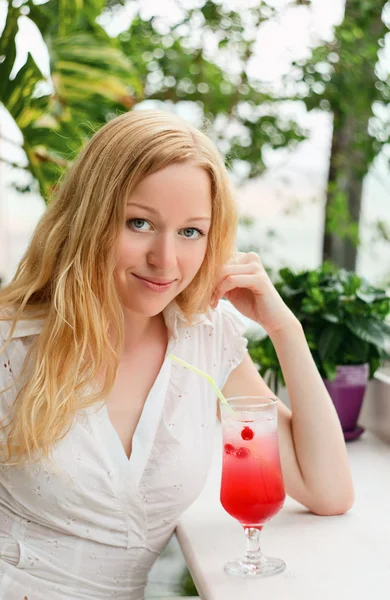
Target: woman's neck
138,330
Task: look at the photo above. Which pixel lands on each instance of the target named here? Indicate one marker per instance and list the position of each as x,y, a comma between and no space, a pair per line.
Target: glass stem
253,553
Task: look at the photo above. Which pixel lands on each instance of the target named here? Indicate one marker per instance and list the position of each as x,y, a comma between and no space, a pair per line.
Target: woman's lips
154,285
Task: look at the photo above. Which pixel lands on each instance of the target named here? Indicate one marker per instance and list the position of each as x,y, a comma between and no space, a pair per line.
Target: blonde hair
66,274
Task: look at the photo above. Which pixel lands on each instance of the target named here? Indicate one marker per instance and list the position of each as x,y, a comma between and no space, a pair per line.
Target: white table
328,558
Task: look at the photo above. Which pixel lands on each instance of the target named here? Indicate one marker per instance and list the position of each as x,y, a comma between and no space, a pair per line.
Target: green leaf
354,351
290,292
287,275
317,296
17,97
331,318
308,306
85,68
329,342
370,330
68,13
329,369
365,297
371,296
374,366
8,47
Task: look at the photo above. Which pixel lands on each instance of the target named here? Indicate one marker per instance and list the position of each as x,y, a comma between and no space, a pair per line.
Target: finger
249,257
237,269
237,257
249,281
230,270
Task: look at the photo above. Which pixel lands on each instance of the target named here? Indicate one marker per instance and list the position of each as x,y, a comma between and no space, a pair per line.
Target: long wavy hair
66,275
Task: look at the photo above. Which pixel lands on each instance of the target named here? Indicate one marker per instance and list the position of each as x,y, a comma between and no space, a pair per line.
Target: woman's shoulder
6,319
226,317
224,320
223,323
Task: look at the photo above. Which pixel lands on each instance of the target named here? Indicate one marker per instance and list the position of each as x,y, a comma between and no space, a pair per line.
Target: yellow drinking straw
185,364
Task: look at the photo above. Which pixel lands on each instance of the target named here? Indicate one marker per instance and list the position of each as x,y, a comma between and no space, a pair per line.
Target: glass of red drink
252,488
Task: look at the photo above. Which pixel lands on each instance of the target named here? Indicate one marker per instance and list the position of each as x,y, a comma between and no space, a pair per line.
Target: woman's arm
312,448
313,453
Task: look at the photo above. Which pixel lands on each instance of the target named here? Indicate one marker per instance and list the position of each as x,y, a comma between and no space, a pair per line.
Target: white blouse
91,526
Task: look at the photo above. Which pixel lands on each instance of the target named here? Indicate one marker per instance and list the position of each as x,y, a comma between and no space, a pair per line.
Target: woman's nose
162,254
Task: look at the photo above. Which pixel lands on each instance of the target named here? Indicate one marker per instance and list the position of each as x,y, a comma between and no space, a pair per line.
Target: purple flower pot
347,392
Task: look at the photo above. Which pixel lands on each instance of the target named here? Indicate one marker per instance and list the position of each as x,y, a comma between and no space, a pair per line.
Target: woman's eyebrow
198,219
156,212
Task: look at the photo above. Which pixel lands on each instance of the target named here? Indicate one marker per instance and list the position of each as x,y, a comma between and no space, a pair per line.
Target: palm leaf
8,47
17,95
68,13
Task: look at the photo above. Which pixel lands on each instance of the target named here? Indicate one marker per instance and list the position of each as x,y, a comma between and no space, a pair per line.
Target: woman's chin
147,308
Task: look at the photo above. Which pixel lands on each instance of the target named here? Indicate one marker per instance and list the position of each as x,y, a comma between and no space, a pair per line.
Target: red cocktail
252,489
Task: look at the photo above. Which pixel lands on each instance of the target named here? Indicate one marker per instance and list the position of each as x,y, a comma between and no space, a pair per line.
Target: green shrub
344,320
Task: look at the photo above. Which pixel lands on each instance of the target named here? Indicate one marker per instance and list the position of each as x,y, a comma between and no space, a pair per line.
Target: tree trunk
349,160
346,173
354,206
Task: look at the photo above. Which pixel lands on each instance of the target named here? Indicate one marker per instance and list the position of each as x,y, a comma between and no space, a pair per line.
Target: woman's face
164,237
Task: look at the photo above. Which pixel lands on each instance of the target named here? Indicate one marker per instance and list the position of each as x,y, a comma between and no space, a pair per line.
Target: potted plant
345,323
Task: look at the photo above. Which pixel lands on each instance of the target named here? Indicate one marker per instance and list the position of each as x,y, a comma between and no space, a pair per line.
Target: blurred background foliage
95,76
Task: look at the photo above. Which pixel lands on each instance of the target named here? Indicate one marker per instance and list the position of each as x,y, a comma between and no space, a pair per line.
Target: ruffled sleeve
234,343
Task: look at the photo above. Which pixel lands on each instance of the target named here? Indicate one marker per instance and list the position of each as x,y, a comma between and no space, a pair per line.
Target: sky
287,202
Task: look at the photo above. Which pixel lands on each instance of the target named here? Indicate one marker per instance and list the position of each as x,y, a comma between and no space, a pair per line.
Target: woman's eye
138,224
190,231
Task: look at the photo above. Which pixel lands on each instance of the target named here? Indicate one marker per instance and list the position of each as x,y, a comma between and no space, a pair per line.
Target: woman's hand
245,283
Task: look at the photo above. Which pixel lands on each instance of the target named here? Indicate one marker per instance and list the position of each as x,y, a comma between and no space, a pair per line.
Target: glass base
265,567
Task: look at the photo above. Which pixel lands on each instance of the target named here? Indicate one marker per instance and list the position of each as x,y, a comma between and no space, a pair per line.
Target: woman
104,440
